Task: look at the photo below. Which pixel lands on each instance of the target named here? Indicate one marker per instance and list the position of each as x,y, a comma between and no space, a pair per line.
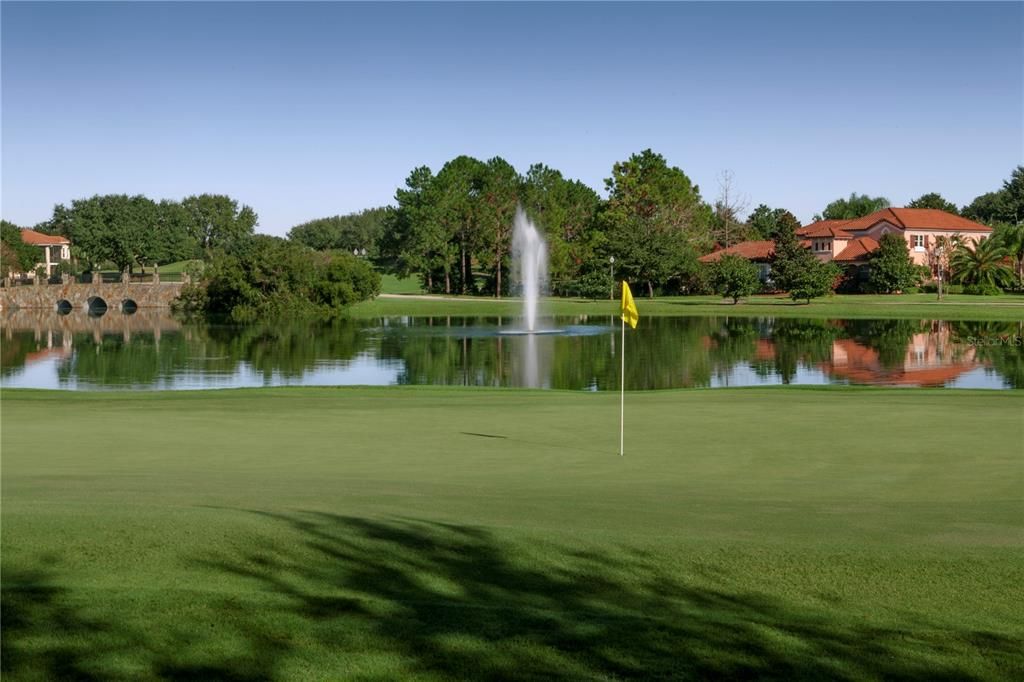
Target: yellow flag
629,311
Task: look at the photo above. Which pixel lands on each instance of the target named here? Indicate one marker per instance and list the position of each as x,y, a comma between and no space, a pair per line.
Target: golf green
440,533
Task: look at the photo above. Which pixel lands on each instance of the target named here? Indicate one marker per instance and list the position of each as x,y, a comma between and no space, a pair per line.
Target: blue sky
307,110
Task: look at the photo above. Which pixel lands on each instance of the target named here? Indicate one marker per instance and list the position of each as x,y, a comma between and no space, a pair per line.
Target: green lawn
177,267
914,306
435,533
391,284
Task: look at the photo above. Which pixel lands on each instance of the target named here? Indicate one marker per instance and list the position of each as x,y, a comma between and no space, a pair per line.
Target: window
919,242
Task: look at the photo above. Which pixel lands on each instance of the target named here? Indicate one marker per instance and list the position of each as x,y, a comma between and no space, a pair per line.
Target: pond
153,351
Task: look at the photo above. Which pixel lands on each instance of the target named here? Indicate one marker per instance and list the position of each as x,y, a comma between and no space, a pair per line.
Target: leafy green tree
496,207
268,275
171,241
768,223
854,206
216,221
734,277
987,208
458,186
1013,189
982,266
355,231
815,279
17,256
655,220
891,269
113,227
792,260
565,211
936,201
1005,205
414,240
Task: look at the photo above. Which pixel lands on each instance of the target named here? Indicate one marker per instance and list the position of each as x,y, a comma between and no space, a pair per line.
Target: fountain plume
530,264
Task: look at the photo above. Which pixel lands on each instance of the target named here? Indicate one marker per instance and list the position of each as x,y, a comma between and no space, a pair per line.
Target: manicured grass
390,284
177,267
913,306
432,533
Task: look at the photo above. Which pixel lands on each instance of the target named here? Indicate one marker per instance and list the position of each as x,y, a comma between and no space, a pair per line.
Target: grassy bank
911,306
432,533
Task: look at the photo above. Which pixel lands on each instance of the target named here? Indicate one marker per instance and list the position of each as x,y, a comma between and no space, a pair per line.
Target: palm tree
983,265
1011,237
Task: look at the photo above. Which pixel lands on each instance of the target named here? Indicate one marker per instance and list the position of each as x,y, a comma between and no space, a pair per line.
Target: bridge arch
64,307
97,306
129,306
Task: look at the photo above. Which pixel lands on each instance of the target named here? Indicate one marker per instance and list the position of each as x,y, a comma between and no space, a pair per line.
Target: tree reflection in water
151,350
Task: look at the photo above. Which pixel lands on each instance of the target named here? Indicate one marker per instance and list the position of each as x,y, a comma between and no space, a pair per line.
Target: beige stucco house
56,249
852,241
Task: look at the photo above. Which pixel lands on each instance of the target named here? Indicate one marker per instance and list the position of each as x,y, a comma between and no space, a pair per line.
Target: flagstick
622,388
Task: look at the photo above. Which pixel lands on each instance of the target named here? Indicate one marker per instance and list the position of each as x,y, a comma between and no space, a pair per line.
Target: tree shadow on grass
408,598
31,606
454,601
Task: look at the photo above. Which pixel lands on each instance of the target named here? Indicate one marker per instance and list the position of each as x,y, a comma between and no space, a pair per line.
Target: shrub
982,289
594,284
191,300
734,277
814,280
891,268
268,276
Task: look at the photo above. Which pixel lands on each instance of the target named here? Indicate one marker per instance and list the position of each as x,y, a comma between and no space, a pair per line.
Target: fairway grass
392,284
444,533
909,306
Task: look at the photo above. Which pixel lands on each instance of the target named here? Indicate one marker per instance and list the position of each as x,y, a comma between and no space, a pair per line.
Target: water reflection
151,350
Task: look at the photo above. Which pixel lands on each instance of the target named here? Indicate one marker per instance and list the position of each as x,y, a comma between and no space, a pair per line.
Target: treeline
242,275
356,233
136,231
451,229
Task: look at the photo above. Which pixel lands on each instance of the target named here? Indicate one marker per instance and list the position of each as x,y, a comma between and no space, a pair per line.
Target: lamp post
939,251
611,276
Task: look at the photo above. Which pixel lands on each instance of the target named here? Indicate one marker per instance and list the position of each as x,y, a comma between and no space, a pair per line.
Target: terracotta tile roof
917,219
40,239
857,249
820,228
755,250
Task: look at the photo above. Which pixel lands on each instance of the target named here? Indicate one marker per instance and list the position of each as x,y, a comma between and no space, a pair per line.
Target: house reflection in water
58,346
930,359
870,352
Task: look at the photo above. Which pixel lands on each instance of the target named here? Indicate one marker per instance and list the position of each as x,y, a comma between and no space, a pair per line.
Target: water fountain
530,266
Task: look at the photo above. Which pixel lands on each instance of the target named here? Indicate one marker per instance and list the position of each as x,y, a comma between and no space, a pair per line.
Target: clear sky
308,110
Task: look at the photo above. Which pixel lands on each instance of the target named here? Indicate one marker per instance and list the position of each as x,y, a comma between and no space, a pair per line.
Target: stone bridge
70,296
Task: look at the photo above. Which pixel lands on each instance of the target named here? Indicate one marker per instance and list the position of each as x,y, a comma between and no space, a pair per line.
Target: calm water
148,350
